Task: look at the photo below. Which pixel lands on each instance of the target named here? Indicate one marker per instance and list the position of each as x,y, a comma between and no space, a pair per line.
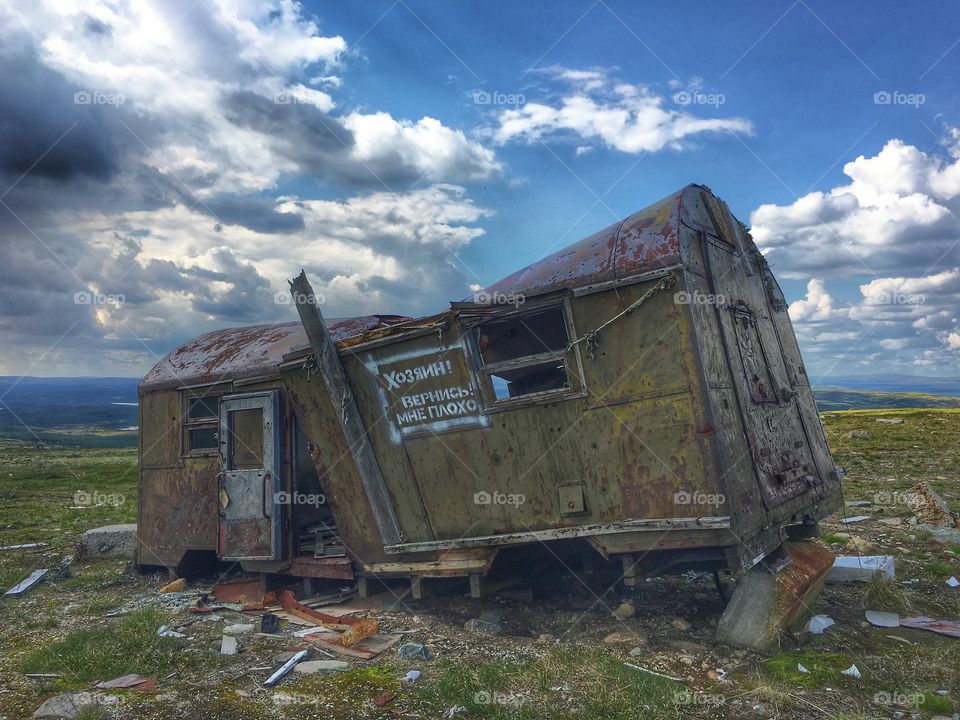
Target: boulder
65,705
311,667
110,541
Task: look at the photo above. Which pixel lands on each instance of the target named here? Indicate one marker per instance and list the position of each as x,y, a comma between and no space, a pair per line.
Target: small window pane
522,335
204,438
202,407
530,379
246,439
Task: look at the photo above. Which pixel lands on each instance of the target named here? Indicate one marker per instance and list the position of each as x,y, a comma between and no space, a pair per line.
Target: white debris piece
953,582
860,568
164,631
882,619
818,623
853,672
855,519
801,668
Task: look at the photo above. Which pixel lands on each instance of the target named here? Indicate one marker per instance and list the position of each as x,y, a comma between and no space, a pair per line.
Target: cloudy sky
165,166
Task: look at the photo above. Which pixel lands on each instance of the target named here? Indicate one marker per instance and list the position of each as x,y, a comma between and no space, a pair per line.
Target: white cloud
816,306
596,109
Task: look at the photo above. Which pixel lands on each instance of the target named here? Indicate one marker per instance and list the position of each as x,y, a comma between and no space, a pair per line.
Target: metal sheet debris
27,583
287,667
860,568
949,628
882,619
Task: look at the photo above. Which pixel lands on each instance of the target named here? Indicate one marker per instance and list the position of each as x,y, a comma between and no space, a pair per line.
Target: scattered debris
882,619
238,591
852,671
239,629
312,667
366,649
953,582
455,710
415,650
949,628
124,681
860,546
632,637
311,631
860,568
178,585
66,705
384,698
858,503
27,583
287,667
899,639
269,624
483,626
353,630
651,672
818,623
228,645
890,421
858,435
164,631
412,676
855,519
25,546
802,669
43,676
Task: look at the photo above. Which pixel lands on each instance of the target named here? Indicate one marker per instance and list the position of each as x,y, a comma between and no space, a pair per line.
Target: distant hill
68,410
893,383
847,399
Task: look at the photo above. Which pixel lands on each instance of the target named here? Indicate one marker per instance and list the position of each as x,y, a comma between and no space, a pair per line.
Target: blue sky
405,151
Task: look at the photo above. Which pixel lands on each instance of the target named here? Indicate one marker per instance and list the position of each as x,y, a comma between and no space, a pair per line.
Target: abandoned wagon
640,392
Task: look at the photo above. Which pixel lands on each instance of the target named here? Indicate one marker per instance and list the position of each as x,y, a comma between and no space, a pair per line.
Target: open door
250,508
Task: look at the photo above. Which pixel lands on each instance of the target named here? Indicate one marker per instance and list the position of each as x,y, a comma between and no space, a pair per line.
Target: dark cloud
257,214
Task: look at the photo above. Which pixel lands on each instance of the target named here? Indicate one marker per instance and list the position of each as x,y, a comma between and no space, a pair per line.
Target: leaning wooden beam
335,378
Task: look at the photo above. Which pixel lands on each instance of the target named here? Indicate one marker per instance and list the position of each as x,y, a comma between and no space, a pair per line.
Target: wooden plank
367,648
335,379
27,583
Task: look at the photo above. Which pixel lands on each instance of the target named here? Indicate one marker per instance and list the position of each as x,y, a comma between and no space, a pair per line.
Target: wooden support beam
335,378
631,571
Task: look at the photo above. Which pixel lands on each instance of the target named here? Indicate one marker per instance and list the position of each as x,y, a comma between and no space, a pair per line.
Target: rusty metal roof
247,352
645,241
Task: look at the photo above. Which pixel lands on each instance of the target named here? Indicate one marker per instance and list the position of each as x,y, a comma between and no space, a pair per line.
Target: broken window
246,439
525,355
201,415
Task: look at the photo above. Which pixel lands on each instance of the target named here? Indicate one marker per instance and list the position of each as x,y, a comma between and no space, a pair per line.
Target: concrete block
860,568
110,541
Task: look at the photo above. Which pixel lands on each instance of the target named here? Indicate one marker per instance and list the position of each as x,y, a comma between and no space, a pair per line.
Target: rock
482,626
681,624
637,651
860,546
228,645
66,705
545,637
890,421
110,541
178,585
633,637
312,667
945,535
930,508
625,610
858,435
494,617
239,629
415,650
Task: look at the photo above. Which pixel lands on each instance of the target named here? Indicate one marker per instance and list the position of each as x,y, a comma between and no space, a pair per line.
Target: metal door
250,509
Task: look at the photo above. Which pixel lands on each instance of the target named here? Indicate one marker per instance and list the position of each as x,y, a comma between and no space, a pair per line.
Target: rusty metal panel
178,511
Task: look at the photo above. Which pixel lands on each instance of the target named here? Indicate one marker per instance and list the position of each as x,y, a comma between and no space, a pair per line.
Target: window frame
482,373
203,423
